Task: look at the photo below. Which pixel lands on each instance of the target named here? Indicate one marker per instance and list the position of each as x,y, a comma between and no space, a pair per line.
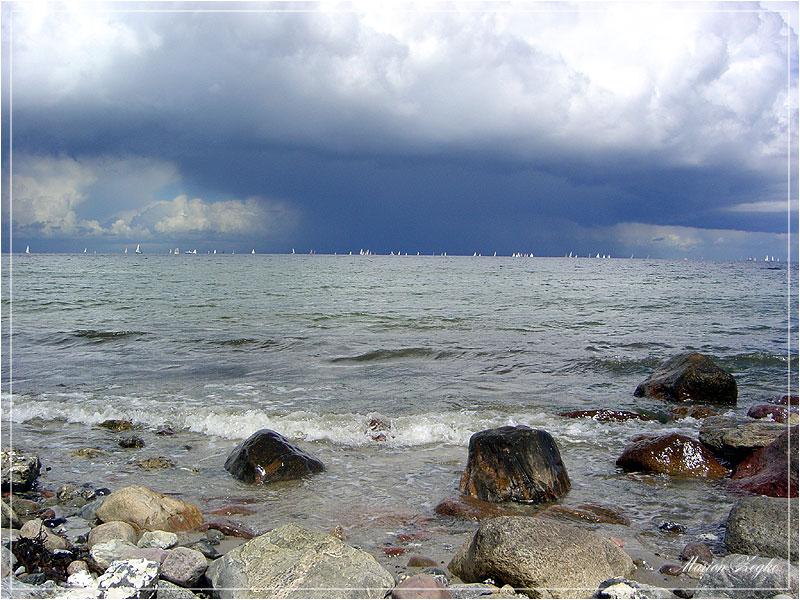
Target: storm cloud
652,128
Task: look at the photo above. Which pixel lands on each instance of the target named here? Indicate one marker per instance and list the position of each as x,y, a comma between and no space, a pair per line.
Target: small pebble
671,570
54,522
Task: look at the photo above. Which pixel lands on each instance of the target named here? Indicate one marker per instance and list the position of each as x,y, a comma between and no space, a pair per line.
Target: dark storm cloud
445,129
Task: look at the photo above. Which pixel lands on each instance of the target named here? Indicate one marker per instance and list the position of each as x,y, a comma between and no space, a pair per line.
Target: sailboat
126,251
84,250
253,251
27,249
138,250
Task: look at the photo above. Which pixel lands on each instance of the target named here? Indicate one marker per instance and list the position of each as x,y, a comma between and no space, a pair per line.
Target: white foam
348,429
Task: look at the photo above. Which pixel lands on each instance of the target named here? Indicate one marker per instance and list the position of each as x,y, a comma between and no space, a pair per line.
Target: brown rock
593,513
693,411
699,551
604,415
116,425
772,470
420,586
673,454
148,510
517,464
268,456
467,507
671,570
421,561
690,377
778,413
229,528
789,400
233,509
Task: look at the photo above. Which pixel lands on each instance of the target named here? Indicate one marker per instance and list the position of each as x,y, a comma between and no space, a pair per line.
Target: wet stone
133,441
116,425
155,463
87,453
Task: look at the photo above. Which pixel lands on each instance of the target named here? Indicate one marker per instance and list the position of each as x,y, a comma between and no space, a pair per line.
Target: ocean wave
454,427
392,354
91,336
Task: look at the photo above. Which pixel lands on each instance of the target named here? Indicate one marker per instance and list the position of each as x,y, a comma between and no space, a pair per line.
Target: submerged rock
690,377
772,470
742,576
547,558
592,513
763,526
697,551
301,563
733,438
467,507
19,469
673,454
776,412
268,456
693,411
517,464
148,510
116,425
604,415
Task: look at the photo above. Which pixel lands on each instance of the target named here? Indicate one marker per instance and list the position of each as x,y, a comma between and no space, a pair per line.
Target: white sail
27,249
138,249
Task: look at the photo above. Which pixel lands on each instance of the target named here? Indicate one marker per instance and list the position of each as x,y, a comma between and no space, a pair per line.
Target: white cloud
766,206
50,197
676,241
184,216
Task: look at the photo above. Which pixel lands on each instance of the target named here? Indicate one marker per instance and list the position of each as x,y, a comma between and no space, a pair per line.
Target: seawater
437,348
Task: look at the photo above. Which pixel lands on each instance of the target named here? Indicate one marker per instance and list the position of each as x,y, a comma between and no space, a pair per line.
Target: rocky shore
78,541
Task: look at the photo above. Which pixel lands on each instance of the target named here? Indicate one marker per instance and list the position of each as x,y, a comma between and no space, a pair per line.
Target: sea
328,350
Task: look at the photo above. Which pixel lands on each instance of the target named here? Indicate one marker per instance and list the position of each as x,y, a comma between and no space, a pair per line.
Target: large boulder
293,562
268,456
544,558
733,438
763,526
673,454
517,464
690,377
772,470
19,469
742,576
113,530
148,510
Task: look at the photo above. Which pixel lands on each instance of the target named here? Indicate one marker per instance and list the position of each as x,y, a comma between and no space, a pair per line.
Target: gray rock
154,554
300,563
19,469
34,528
88,510
183,566
75,530
736,437
7,561
110,551
135,578
541,557
763,526
10,587
167,589
113,530
9,517
742,576
158,539
619,587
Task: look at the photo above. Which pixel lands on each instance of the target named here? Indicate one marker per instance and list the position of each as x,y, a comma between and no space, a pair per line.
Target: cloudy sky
658,129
